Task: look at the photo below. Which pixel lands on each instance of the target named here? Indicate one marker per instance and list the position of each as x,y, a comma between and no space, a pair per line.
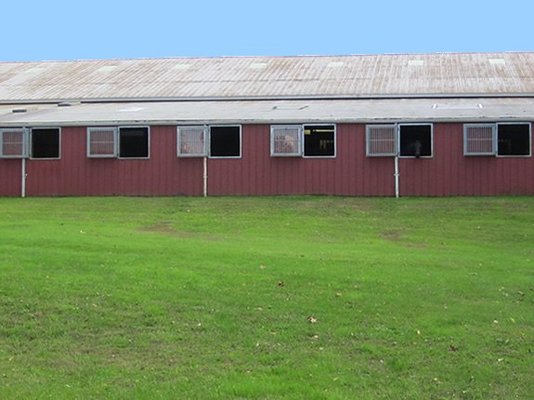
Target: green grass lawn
267,298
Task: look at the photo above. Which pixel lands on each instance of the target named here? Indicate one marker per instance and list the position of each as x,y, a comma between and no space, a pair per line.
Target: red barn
412,125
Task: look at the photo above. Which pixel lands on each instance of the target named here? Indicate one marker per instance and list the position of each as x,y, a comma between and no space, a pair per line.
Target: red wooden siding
77,175
450,173
257,173
10,177
350,173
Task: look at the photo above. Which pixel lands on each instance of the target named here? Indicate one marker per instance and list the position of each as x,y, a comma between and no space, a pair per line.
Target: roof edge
287,56
400,96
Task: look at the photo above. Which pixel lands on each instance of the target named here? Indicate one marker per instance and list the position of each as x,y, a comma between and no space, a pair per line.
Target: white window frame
513,155
399,126
25,145
495,128
303,140
493,144
115,141
300,140
31,143
205,133
119,142
240,142
368,129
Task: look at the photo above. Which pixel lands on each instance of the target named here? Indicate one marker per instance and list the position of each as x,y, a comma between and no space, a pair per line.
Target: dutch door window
513,139
13,143
133,142
102,142
504,139
319,140
286,140
225,141
192,141
415,140
45,142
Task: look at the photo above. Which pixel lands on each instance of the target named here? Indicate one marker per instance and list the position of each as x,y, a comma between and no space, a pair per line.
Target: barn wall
257,173
450,173
351,173
77,175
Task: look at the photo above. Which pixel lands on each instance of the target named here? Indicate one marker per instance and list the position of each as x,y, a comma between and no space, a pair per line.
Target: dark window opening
513,139
319,141
225,141
45,143
133,142
415,140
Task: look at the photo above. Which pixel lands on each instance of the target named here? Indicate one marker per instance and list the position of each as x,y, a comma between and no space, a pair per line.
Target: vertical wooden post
23,178
205,176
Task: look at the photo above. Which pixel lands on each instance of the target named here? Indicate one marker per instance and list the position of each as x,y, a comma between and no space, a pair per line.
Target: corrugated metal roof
275,111
497,74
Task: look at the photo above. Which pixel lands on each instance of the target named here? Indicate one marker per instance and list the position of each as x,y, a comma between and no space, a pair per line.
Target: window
303,140
102,142
13,143
125,142
319,141
285,140
225,141
192,141
504,139
381,140
479,139
513,139
45,142
134,142
415,140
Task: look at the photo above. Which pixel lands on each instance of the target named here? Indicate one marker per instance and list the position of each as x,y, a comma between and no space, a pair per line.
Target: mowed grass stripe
267,298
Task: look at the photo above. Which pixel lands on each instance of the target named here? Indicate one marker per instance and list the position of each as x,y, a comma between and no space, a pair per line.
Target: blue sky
94,29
